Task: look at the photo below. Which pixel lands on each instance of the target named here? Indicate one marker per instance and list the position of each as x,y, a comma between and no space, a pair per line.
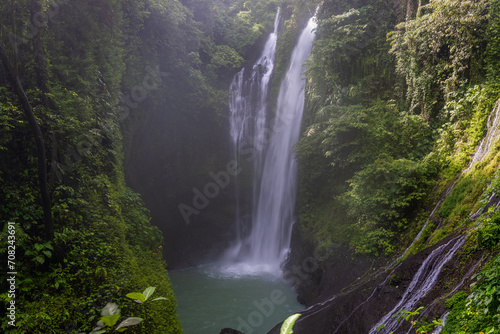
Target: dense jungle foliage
91,73
399,95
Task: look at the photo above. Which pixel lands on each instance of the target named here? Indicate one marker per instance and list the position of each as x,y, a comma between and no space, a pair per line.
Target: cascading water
275,168
273,214
423,281
493,131
248,107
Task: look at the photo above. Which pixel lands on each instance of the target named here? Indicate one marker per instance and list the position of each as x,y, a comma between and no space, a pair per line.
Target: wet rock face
317,274
352,294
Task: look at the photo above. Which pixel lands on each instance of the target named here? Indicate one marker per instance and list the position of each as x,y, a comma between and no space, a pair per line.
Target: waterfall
271,143
274,211
423,281
248,114
248,107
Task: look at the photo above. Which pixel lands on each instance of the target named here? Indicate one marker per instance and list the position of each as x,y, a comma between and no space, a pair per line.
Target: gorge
215,166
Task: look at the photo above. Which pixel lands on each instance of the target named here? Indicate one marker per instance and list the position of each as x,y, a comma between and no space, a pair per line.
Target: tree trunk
41,73
40,149
413,9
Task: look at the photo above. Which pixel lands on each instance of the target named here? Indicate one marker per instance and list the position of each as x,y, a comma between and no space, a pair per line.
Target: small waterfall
423,281
439,328
430,307
493,130
275,168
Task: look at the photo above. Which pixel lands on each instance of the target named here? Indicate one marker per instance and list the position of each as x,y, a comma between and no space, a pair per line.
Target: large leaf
148,292
110,309
129,322
137,296
287,327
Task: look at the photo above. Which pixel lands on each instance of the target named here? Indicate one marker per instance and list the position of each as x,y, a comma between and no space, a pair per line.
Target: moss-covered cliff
400,96
110,83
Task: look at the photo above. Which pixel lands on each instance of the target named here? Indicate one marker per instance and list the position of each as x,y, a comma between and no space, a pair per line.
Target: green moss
477,312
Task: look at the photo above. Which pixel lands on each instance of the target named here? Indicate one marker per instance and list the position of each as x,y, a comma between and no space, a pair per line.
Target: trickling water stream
493,130
423,281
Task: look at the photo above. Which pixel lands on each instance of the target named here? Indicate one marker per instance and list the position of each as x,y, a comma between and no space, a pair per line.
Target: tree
439,50
40,147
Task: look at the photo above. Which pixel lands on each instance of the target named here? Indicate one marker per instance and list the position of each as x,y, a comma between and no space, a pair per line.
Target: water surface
213,297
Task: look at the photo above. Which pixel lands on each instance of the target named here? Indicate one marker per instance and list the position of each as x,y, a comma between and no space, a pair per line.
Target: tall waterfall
248,107
275,170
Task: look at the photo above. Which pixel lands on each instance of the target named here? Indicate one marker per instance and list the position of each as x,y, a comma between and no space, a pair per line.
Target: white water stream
265,246
493,130
248,107
423,281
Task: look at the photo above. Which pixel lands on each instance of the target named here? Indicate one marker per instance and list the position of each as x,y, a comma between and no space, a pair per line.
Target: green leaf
47,253
110,309
38,247
99,327
98,332
40,259
129,322
137,296
287,327
160,298
148,292
110,320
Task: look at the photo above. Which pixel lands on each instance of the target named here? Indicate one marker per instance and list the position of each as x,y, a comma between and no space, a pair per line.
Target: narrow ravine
245,289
